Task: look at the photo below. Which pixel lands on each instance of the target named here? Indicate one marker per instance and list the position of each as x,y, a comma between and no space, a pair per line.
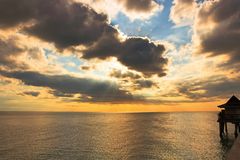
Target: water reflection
111,136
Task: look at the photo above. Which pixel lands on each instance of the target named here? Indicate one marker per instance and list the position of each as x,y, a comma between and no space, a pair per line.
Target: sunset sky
118,55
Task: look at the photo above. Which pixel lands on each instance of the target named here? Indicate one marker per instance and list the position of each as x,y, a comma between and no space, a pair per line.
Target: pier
234,153
230,113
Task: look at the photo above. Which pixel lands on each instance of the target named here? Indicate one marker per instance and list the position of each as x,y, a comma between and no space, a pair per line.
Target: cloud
144,56
11,14
132,80
140,9
90,90
133,9
17,54
9,52
217,29
85,68
4,82
212,87
139,5
32,93
68,24
58,21
136,53
123,75
145,83
183,11
57,93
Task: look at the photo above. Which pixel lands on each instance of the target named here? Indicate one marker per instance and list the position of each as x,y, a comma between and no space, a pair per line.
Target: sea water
72,136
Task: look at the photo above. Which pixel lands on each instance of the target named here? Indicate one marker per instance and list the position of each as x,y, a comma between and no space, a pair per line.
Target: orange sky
110,56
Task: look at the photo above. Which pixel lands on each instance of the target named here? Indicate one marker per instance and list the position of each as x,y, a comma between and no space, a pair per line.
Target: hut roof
231,103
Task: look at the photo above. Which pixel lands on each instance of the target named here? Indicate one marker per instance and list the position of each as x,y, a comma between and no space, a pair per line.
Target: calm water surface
56,136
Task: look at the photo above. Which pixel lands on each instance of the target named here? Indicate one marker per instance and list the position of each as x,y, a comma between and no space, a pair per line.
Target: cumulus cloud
183,11
136,53
58,21
217,29
140,8
69,24
133,9
90,90
12,14
144,56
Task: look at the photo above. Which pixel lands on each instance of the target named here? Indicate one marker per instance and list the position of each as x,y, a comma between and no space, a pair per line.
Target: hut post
236,130
226,129
221,124
221,129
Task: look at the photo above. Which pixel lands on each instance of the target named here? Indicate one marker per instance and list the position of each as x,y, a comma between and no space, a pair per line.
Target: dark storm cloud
144,56
62,85
14,12
210,88
224,38
108,45
138,5
136,53
32,93
58,21
68,24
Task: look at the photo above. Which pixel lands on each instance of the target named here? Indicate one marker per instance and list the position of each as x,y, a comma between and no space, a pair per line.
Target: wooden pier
230,113
234,153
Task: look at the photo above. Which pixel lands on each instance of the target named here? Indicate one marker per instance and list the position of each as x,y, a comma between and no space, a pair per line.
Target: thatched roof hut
230,113
232,103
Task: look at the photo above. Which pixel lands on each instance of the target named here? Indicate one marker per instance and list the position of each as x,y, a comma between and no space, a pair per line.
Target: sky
118,55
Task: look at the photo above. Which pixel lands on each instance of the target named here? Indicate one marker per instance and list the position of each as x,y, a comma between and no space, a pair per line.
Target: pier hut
230,113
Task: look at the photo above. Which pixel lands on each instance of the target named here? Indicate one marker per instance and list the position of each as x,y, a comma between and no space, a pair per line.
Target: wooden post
236,130
226,129
221,129
239,127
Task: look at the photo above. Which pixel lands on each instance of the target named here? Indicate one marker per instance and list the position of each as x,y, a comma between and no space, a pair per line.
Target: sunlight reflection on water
111,136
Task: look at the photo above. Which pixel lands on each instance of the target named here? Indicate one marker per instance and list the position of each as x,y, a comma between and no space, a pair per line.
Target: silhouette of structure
230,113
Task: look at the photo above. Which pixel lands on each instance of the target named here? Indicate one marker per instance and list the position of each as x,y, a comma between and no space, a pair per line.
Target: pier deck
234,153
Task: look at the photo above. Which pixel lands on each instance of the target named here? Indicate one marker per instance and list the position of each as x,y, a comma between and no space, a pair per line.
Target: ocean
73,136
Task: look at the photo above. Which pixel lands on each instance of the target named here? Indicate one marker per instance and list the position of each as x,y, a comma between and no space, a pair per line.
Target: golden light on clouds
118,56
